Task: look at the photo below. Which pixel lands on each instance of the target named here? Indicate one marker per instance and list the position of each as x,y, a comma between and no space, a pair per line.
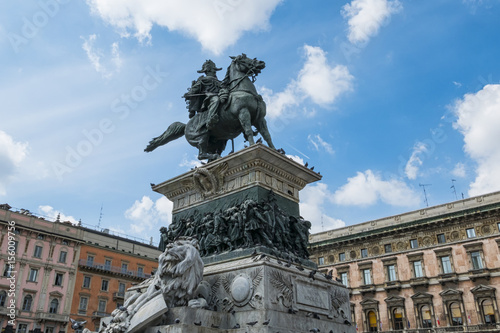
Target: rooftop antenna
425,193
454,189
100,218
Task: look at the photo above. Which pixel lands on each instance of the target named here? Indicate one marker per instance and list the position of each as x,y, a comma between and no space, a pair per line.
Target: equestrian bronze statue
221,110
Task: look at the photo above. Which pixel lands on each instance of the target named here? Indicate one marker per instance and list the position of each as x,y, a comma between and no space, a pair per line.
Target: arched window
488,311
397,318
28,299
372,321
54,304
3,297
425,313
455,314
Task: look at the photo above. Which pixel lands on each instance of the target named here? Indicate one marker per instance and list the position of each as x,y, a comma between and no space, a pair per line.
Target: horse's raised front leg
262,128
246,124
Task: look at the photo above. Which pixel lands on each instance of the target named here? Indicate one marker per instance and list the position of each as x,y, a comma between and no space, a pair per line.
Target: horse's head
250,67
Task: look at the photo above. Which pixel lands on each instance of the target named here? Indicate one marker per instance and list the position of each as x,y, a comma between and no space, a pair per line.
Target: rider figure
206,94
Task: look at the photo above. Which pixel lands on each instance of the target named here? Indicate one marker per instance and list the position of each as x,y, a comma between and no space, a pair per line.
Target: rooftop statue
221,110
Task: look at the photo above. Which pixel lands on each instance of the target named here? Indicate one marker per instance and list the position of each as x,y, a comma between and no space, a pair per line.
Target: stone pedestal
266,286
261,294
251,173
245,200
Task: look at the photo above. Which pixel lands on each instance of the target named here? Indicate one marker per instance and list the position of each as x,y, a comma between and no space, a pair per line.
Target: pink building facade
38,262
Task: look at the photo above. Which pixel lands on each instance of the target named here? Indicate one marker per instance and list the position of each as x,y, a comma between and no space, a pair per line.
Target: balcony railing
5,311
482,273
51,317
98,314
118,295
420,281
392,285
113,269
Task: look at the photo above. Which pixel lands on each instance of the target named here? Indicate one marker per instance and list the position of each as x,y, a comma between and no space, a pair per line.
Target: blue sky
379,95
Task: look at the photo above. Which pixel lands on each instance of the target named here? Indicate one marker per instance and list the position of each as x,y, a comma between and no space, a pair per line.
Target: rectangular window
391,273
342,256
441,239
367,278
7,271
414,243
477,262
62,256
121,287
471,233
446,263
417,269
90,260
388,248
107,264
33,275
124,268
83,303
104,285
86,281
59,279
38,252
498,225
22,328
64,242
364,253
344,278
102,306
49,329
321,261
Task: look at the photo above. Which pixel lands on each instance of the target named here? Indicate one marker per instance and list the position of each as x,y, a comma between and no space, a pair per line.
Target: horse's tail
173,132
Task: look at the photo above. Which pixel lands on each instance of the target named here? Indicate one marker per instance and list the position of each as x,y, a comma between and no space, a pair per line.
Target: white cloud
415,161
365,17
320,144
459,170
312,208
214,24
12,154
277,103
478,119
317,80
96,56
366,188
321,82
148,215
53,213
296,158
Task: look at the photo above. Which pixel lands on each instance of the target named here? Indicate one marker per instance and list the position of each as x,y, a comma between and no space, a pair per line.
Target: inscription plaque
312,296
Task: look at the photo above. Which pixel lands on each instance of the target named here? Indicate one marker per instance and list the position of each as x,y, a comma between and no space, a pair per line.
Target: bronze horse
244,108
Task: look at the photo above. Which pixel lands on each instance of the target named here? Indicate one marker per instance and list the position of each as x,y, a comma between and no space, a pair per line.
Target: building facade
107,266
39,261
432,270
54,271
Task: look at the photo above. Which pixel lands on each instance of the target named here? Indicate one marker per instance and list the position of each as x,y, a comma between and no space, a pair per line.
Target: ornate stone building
432,270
